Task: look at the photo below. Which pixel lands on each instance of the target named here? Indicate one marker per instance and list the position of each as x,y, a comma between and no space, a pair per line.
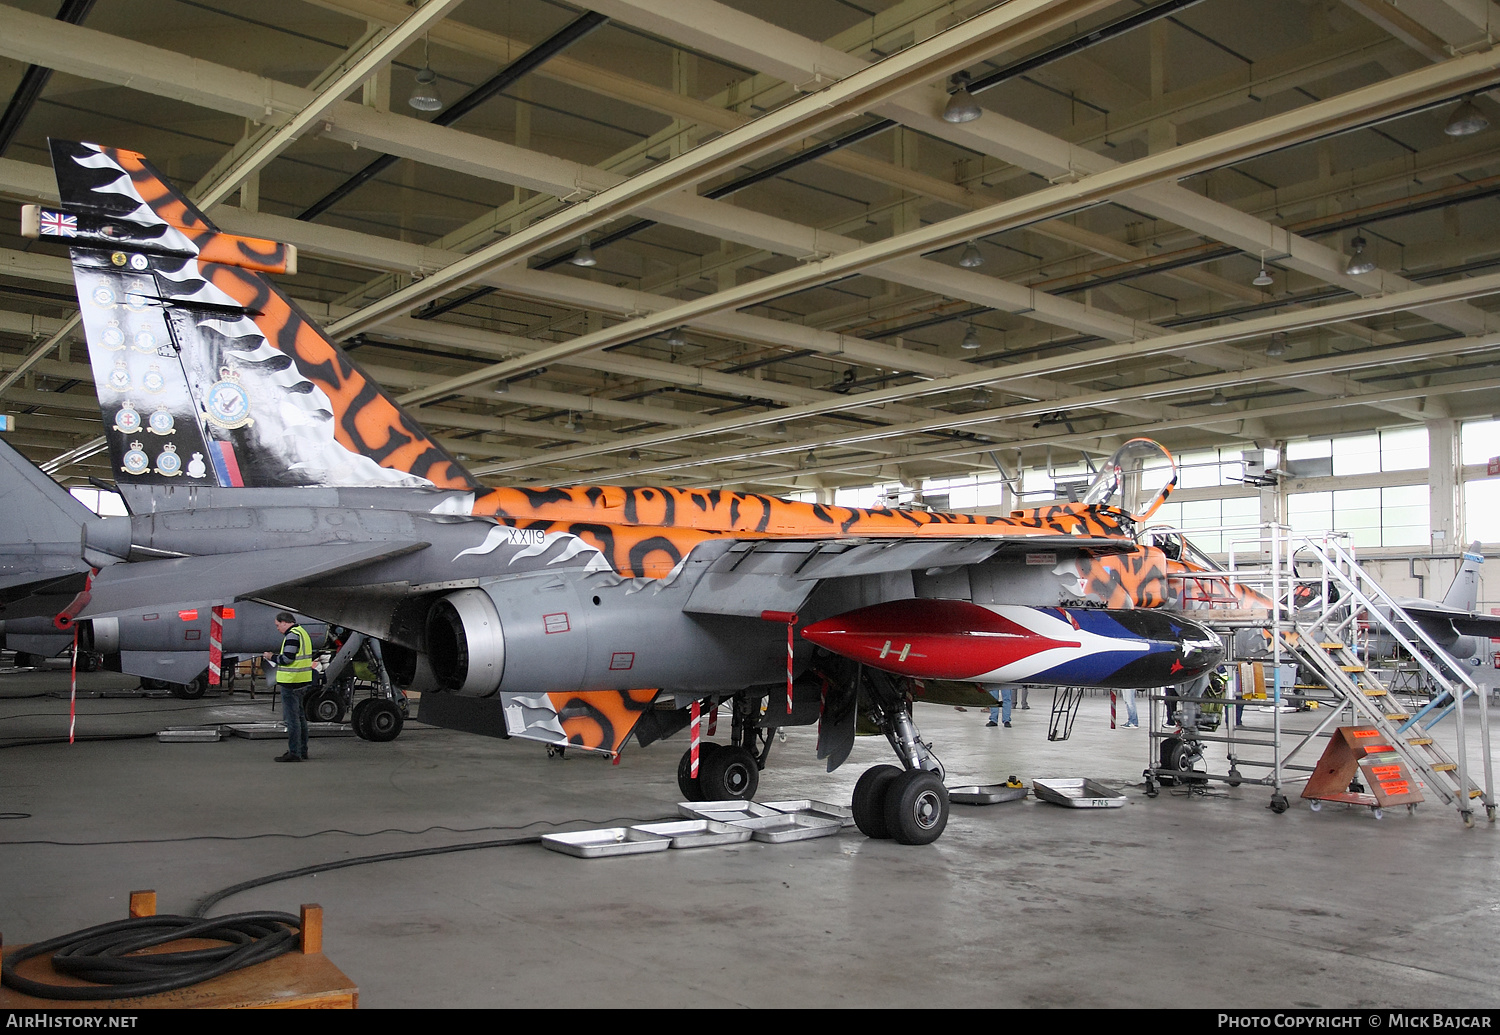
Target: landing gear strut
728,771
908,805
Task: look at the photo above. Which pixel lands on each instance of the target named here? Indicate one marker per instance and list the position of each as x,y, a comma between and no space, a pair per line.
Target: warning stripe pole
215,643
73,693
1111,709
713,720
790,623
696,741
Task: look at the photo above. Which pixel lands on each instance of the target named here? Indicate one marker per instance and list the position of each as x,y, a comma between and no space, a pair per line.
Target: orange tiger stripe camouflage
1211,592
740,513
600,719
365,419
1135,579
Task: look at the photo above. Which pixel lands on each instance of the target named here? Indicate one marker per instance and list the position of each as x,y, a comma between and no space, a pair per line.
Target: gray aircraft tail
206,373
1464,593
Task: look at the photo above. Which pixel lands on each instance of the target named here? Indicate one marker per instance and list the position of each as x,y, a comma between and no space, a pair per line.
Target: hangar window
101,502
867,496
966,492
1482,511
1209,524
1479,440
1392,516
1393,449
1208,468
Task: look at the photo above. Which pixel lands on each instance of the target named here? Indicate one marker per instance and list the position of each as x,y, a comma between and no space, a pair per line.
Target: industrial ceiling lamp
971,258
635,456
584,256
1359,261
1264,278
1466,119
425,97
1218,399
971,338
961,104
1277,346
502,387
675,338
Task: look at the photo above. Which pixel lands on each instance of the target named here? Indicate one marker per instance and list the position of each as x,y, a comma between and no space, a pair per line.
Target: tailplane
1464,593
206,373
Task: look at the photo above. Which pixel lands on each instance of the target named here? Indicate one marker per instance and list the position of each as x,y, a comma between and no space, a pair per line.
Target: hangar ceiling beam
1086,439
720,30
453,149
1166,344
977,420
969,41
357,65
1357,107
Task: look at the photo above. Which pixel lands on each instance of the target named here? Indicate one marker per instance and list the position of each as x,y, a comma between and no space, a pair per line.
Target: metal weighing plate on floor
275,730
985,794
804,806
190,735
797,826
696,833
1078,794
723,811
610,841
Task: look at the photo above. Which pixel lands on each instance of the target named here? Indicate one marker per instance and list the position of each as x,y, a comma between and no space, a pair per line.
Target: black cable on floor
98,954
212,900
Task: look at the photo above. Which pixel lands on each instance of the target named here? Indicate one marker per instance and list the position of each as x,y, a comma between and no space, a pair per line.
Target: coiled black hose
98,954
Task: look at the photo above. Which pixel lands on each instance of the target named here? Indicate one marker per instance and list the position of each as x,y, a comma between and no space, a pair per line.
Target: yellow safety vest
300,671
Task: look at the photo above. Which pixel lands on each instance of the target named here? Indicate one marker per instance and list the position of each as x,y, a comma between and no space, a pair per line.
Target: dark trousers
295,718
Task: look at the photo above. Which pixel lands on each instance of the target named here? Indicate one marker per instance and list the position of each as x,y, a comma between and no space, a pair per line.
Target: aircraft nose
1201,647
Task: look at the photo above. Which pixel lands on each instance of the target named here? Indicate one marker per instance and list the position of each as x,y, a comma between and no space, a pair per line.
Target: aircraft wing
755,576
1465,623
219,578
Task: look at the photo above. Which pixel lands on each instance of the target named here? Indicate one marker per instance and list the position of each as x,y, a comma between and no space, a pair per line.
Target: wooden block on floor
303,979
290,981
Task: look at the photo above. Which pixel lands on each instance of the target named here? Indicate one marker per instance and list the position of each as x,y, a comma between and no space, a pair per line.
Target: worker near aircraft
294,675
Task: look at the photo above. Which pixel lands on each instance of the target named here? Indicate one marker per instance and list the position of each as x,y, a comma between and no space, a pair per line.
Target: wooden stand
303,979
1361,750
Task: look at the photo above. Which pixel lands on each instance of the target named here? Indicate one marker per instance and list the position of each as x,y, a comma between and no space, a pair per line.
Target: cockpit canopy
1135,480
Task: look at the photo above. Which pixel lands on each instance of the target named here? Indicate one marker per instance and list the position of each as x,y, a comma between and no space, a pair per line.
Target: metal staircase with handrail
1314,619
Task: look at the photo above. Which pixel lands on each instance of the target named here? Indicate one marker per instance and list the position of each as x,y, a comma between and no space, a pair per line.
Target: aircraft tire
869,800
916,807
327,705
189,691
692,790
384,721
361,720
729,773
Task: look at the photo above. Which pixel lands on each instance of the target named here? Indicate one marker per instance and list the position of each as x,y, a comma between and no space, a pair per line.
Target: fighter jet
1455,624
167,646
259,462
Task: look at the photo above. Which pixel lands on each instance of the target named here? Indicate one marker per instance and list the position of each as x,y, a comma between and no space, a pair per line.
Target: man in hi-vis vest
294,673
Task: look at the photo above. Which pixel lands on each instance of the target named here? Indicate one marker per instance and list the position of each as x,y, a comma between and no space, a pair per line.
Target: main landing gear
727,771
907,805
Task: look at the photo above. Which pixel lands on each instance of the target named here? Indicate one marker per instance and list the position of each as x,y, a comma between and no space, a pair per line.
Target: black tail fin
207,374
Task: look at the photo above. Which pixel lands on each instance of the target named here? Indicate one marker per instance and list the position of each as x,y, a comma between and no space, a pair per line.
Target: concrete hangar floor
1203,900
